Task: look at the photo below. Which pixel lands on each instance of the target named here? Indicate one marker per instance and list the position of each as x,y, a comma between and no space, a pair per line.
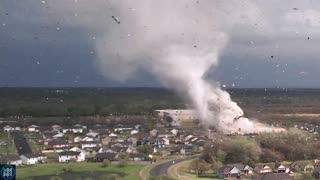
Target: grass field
55,169
9,148
179,171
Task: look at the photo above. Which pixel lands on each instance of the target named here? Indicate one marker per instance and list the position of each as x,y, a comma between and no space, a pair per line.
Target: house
263,168
174,132
68,156
134,132
77,139
56,128
166,141
137,127
120,144
57,143
273,176
113,135
76,149
92,134
87,138
187,149
121,129
143,141
137,157
52,135
106,140
10,159
157,142
42,157
8,128
102,156
78,129
282,169
29,159
93,150
153,132
244,169
228,172
302,166
33,128
66,130
133,140
89,144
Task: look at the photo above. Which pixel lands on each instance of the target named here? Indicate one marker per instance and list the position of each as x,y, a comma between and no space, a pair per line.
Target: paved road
162,169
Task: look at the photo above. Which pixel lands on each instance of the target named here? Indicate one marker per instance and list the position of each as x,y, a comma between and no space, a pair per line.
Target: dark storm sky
40,48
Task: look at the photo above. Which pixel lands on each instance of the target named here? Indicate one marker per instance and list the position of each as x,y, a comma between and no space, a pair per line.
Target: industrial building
174,117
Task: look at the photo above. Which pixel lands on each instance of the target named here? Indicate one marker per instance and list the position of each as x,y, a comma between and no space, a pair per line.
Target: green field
9,148
83,169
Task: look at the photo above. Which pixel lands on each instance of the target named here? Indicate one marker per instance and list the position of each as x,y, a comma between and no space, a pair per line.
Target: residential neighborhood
79,143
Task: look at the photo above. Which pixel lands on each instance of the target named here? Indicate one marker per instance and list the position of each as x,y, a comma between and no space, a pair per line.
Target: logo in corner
8,172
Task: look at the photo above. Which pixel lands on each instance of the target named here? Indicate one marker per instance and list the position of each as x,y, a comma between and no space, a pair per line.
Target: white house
33,128
29,159
78,129
87,139
166,141
174,132
58,135
113,135
8,128
65,130
56,128
134,132
75,149
88,144
92,134
77,139
71,156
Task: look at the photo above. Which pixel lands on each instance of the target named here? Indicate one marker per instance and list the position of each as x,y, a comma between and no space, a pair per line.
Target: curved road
162,169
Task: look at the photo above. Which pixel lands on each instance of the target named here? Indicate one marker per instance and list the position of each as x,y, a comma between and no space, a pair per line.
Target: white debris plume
178,43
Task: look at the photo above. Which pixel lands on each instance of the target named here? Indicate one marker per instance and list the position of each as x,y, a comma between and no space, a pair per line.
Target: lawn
57,168
9,148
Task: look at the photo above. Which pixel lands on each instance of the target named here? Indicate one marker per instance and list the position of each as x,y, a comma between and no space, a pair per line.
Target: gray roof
240,166
274,176
69,153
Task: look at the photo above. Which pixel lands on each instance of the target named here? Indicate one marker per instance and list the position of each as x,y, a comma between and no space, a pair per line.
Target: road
162,169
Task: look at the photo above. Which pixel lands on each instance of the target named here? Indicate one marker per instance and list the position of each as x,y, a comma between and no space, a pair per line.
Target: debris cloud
179,42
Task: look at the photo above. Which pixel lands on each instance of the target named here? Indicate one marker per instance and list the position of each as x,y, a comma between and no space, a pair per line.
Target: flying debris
116,19
237,118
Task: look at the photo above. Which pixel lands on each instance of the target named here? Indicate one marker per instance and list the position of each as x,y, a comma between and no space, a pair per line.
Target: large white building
173,117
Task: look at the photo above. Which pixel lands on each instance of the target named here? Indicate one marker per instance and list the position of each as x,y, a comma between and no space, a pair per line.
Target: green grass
9,148
56,168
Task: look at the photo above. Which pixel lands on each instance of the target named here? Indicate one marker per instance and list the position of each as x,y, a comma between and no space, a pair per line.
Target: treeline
75,102
267,147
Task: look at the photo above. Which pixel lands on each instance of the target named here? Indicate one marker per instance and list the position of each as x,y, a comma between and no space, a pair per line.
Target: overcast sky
50,43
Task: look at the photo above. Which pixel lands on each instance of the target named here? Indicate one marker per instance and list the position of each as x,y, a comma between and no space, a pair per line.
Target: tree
105,163
145,149
123,159
199,166
242,150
